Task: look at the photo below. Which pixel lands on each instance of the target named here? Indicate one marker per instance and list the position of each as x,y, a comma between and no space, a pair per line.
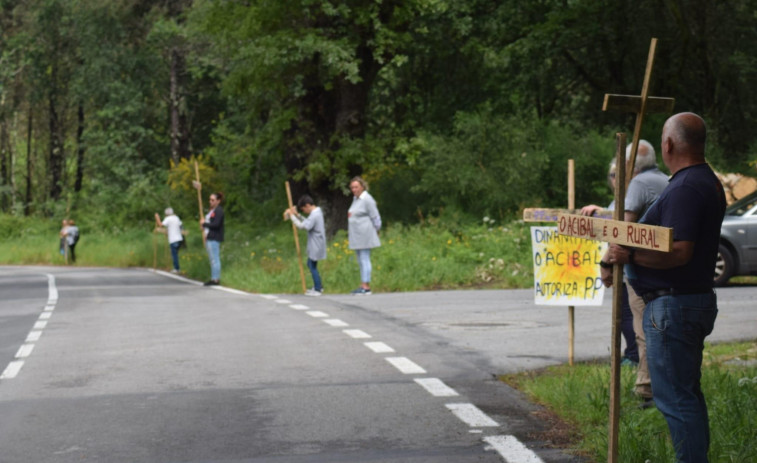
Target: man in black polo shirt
677,286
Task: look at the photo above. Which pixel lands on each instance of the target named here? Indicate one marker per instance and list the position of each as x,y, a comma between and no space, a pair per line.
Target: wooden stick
617,305
640,116
571,309
296,239
199,201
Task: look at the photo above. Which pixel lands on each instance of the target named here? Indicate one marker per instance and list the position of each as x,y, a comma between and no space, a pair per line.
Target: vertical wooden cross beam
617,307
640,105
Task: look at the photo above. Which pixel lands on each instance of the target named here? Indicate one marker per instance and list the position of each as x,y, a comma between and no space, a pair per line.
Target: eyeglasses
612,175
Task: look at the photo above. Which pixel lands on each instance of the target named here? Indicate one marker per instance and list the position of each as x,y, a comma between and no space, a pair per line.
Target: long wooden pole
296,239
617,305
571,309
199,200
640,117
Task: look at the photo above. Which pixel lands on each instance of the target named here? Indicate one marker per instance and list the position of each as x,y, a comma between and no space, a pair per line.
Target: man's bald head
688,133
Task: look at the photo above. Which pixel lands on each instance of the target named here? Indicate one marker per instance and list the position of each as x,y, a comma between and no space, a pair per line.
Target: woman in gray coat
364,222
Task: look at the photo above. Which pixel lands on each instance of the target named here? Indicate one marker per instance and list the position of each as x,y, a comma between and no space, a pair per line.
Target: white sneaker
174,271
313,292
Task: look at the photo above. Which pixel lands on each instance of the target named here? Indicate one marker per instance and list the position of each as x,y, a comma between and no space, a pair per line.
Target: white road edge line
378,347
175,277
405,365
230,290
436,387
472,415
512,450
357,334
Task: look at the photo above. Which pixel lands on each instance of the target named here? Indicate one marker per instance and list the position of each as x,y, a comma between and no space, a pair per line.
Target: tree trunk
28,196
5,163
80,149
56,144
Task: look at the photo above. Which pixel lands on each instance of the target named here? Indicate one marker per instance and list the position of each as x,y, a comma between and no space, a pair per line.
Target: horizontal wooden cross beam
632,104
535,214
616,231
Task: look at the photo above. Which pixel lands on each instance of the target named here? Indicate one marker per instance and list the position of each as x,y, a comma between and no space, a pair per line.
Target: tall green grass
419,257
580,396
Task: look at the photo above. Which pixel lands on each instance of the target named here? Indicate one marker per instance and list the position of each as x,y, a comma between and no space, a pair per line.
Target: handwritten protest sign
616,231
566,269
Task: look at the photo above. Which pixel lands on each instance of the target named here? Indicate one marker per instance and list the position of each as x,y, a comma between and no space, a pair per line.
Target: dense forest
462,108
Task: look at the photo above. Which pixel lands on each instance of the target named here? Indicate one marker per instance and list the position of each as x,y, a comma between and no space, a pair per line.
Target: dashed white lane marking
282,301
33,336
40,325
49,308
472,415
436,387
268,296
512,450
45,315
12,369
24,351
299,307
317,314
336,323
52,291
378,347
405,365
357,334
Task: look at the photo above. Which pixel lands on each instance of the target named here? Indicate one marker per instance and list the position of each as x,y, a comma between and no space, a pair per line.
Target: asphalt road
109,365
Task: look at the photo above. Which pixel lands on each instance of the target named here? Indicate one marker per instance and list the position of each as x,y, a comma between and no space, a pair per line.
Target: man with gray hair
175,237
646,186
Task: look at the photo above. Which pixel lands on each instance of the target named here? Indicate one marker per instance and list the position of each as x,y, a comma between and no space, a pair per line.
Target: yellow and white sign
566,269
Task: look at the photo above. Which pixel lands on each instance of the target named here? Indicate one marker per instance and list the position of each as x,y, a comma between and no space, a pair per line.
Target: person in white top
175,237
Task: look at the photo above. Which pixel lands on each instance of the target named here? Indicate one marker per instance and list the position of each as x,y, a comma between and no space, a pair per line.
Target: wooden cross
627,234
640,105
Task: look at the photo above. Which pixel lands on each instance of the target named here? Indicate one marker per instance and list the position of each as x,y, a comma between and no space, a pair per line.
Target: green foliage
497,165
580,396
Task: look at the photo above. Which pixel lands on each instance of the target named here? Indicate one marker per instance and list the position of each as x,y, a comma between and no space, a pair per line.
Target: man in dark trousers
677,286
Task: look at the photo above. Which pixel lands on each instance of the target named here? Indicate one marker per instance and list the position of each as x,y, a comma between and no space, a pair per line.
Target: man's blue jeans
214,254
675,328
313,266
175,254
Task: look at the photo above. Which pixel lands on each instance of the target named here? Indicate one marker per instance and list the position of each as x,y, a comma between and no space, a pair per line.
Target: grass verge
421,257
580,397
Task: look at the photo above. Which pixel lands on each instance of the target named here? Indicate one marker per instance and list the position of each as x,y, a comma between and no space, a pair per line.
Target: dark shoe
646,402
212,283
627,362
361,292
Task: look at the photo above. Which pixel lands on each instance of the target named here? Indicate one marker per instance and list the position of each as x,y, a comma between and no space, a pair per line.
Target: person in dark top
213,227
681,305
